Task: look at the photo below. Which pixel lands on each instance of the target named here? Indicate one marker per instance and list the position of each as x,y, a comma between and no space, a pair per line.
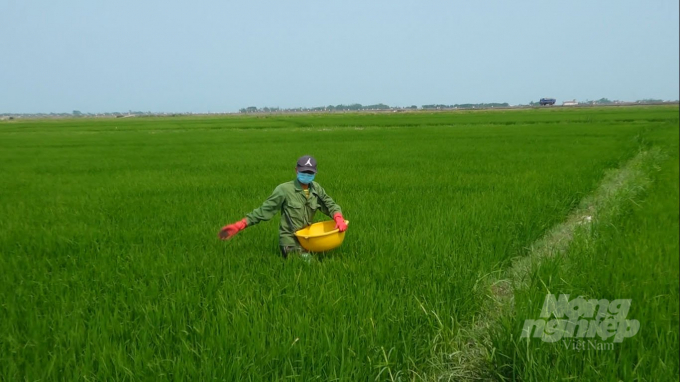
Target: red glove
340,222
228,231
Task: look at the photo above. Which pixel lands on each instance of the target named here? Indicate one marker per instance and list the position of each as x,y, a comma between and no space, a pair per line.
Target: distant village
356,107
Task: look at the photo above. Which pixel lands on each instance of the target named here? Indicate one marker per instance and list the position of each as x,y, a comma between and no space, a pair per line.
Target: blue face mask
305,178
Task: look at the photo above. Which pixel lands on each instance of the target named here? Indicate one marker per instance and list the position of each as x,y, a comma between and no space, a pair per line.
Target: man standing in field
298,201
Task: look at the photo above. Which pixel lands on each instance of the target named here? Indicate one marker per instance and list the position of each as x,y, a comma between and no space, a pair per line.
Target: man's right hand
228,231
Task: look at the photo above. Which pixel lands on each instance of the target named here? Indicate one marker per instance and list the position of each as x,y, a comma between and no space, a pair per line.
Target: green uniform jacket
297,211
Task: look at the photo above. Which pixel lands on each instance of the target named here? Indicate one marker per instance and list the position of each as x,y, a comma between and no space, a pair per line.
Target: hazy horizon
177,56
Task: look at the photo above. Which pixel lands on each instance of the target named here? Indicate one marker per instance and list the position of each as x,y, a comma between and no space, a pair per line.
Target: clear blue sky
200,56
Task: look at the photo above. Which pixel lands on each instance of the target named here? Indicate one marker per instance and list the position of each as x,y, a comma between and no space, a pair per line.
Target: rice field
112,270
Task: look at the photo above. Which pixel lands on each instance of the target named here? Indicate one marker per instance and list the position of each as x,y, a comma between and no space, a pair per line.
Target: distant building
570,103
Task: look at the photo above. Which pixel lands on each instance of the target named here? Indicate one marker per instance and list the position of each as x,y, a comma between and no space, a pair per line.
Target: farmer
298,200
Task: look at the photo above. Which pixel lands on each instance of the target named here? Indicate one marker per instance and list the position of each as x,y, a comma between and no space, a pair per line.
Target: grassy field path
486,348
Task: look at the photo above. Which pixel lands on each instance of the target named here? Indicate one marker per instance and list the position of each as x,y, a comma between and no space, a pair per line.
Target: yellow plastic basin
320,237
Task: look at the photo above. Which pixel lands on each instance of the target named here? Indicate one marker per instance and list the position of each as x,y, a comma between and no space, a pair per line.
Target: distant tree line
351,107
607,101
78,113
382,106
468,106
360,107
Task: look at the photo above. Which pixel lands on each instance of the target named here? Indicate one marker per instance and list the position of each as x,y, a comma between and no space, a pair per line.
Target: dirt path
473,344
